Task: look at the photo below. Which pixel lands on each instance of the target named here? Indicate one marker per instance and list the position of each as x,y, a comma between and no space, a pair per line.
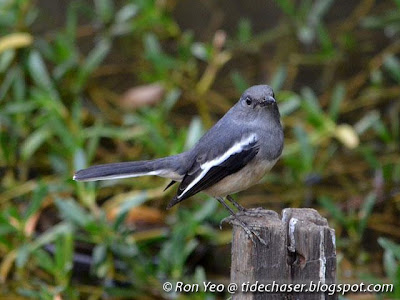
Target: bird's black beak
268,100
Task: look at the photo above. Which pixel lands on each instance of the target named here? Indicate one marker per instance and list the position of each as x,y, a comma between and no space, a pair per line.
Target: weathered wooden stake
300,249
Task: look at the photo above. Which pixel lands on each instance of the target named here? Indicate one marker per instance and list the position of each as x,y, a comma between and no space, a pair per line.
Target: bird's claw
226,220
250,232
253,212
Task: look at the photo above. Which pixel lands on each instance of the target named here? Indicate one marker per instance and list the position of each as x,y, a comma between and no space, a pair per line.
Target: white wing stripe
236,148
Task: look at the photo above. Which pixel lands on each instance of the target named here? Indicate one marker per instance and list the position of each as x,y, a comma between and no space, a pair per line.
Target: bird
230,157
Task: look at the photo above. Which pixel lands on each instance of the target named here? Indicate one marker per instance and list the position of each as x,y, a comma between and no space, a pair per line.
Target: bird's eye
248,101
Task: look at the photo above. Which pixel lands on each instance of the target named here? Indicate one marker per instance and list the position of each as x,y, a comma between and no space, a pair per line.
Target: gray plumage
232,156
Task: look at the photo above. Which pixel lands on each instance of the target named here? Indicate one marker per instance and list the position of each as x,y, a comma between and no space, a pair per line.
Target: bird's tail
168,167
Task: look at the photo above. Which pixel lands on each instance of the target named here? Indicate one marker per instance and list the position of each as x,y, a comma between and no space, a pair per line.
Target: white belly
241,180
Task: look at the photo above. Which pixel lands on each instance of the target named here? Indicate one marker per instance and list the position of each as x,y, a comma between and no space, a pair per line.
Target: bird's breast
241,180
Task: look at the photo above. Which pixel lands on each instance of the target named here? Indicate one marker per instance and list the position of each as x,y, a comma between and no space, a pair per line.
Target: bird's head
256,102
257,97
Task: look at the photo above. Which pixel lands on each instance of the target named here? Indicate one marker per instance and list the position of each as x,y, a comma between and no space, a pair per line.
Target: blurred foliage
124,81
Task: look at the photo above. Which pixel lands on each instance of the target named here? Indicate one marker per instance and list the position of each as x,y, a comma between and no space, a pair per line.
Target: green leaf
71,22
133,201
99,254
122,292
45,261
382,131
37,199
105,9
390,264
370,157
318,10
311,100
198,50
334,210
72,212
288,102
69,141
206,210
19,88
11,75
388,245
19,108
127,12
80,160
48,103
194,133
338,95
125,249
199,275
325,40
39,74
6,227
244,31
239,81
178,247
170,100
101,264
63,256
23,255
119,220
306,149
43,239
367,122
366,211
34,141
287,6
312,107
5,59
279,78
93,60
392,64
161,61
152,46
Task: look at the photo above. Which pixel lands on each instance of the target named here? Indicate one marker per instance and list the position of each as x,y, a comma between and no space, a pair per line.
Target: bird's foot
253,212
237,205
251,233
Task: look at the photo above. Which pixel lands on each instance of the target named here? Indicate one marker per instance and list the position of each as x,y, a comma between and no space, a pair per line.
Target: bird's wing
214,164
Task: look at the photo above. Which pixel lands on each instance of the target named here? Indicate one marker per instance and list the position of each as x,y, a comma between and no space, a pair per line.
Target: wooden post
257,262
300,249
